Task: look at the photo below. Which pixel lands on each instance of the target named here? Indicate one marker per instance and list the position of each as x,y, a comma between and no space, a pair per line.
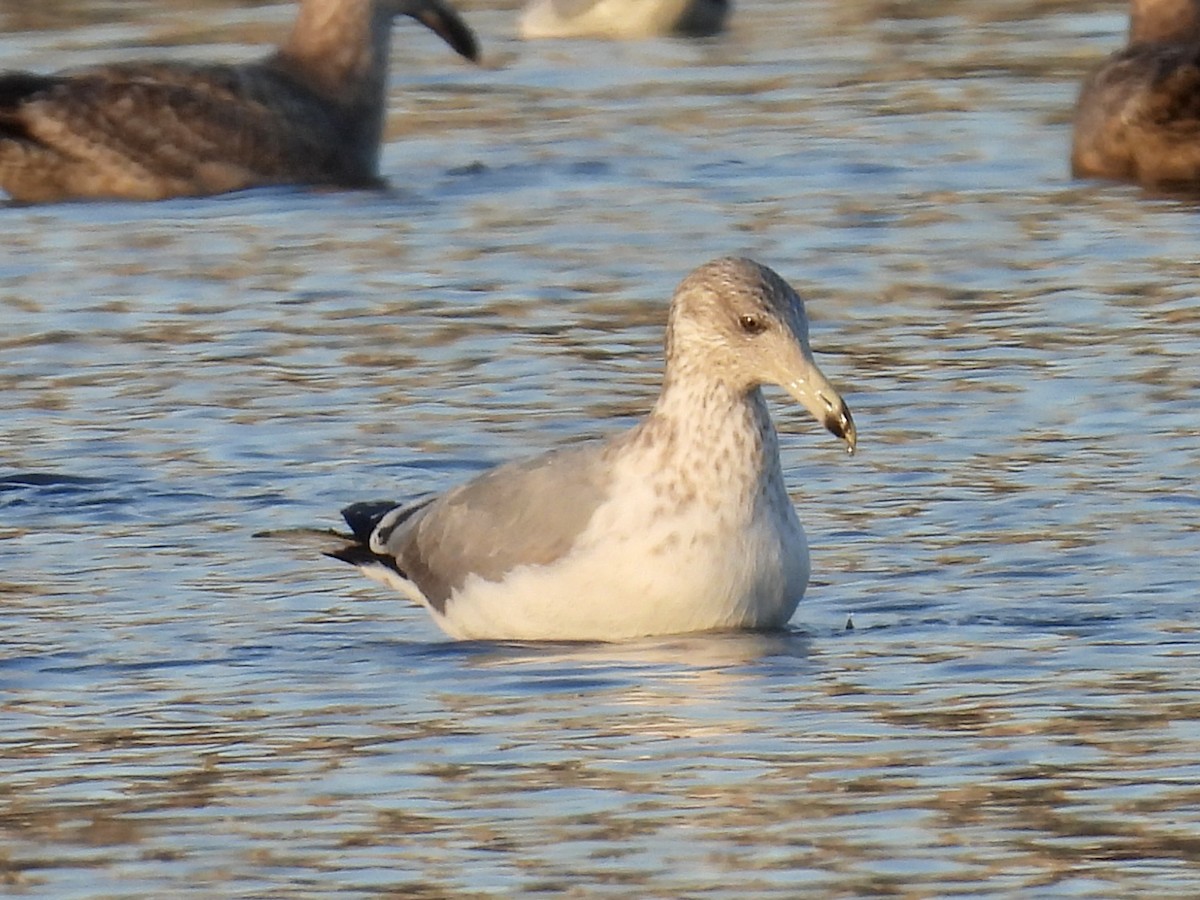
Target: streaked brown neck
340,48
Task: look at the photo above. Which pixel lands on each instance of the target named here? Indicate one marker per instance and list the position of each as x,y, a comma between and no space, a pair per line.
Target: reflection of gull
652,681
681,524
1138,115
311,113
622,18
676,657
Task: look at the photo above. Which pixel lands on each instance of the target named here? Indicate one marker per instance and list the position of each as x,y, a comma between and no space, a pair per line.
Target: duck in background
1138,116
623,18
311,113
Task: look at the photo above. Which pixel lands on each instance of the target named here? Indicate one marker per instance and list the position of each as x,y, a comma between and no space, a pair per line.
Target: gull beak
446,23
808,384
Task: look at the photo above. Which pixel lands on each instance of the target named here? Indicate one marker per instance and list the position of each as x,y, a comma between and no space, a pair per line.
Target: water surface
188,710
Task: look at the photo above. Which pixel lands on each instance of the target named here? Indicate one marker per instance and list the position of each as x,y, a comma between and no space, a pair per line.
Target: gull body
622,18
1137,117
311,113
682,523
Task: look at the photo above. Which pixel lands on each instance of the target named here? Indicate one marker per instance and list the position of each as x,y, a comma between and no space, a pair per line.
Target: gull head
741,323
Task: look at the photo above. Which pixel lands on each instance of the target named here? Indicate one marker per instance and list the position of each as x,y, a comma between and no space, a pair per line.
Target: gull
681,524
1137,118
622,18
311,113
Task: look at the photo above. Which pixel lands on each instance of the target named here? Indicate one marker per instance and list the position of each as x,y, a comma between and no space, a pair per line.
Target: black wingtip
364,517
360,556
353,553
17,87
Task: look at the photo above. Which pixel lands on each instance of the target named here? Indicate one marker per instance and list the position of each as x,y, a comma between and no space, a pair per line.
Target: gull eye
752,324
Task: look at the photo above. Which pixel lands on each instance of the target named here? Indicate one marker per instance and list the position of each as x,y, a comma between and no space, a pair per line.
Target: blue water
188,710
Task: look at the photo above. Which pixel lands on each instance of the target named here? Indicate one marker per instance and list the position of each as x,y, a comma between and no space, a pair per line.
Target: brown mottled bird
1138,116
310,113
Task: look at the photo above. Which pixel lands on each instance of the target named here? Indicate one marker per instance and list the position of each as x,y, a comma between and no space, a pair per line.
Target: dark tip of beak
448,25
841,424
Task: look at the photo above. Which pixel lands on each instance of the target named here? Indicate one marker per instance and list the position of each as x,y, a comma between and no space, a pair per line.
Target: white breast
644,566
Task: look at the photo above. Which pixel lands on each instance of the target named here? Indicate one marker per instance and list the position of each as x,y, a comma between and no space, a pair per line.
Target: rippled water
189,711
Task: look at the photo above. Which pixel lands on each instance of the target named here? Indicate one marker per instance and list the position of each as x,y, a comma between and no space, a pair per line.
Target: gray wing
528,512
